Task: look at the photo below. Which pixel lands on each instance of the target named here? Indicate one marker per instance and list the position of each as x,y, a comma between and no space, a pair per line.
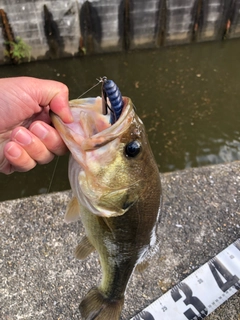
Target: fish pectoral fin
84,249
73,211
98,307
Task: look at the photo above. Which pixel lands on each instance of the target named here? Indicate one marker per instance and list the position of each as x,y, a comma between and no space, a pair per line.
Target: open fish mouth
94,144
92,129
97,121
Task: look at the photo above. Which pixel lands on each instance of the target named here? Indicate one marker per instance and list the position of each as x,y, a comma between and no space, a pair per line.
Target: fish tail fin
95,306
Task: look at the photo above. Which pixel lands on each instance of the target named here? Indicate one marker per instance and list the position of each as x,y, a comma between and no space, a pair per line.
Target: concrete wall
115,25
27,21
201,20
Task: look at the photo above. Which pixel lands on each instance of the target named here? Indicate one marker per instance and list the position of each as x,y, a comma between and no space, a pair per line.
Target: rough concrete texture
40,278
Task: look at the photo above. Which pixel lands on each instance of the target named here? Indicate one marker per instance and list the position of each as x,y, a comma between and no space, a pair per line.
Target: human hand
26,136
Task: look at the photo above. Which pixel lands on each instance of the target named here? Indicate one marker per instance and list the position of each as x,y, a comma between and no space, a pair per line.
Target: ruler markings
201,292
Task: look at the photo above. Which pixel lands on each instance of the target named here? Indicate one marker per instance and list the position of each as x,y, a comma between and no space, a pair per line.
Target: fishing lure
112,92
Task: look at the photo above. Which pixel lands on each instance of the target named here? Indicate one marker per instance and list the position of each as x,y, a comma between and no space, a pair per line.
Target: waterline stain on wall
54,28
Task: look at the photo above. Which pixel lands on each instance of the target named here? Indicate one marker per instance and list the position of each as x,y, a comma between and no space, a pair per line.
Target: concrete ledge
40,278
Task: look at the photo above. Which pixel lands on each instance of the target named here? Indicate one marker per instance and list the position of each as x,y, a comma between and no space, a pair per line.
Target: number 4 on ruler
217,269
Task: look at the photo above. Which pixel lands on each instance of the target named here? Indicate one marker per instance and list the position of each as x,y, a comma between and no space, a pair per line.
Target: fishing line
53,174
201,292
99,81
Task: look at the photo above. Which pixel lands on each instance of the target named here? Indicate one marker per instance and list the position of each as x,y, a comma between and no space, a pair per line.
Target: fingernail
13,151
39,130
66,116
22,137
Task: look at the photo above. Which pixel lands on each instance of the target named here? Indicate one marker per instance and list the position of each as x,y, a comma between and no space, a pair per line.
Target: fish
117,195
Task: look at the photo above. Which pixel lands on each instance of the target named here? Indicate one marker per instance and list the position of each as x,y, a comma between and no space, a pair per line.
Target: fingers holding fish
49,137
27,147
32,145
17,159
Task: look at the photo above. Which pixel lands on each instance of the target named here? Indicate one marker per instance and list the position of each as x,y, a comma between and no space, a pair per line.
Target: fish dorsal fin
73,211
84,249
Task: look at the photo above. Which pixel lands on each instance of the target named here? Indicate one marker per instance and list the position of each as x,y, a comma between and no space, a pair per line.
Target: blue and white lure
111,91
110,95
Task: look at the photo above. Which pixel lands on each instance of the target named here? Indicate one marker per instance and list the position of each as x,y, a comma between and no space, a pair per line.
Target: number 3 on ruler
190,299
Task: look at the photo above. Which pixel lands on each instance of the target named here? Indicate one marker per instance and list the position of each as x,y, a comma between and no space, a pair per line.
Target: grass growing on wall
19,51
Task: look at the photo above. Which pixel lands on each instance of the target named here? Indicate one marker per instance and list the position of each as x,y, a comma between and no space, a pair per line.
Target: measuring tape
202,292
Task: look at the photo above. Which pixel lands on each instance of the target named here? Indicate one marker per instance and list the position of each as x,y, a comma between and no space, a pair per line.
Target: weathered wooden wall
71,27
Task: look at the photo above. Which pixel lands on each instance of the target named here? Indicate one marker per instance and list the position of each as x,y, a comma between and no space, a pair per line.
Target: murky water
187,96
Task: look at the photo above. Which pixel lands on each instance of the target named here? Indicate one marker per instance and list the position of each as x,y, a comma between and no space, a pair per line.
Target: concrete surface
40,278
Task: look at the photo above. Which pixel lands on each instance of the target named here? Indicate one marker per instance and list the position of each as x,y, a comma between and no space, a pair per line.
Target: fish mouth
95,144
91,129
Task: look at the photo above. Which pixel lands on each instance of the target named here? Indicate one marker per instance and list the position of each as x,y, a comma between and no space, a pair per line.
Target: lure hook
105,105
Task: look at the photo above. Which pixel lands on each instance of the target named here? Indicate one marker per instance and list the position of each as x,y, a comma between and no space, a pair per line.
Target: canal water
187,96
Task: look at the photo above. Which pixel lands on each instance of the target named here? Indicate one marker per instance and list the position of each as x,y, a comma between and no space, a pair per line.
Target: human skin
26,134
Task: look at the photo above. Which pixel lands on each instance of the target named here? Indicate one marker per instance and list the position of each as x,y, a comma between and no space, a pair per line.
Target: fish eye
132,149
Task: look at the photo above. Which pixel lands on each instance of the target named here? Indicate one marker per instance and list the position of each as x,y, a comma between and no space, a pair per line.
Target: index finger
53,94
59,105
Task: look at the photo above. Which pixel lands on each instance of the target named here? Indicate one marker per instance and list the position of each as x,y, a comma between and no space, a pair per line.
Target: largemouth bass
116,193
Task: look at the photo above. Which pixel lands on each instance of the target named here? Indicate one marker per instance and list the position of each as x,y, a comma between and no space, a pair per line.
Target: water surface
187,96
